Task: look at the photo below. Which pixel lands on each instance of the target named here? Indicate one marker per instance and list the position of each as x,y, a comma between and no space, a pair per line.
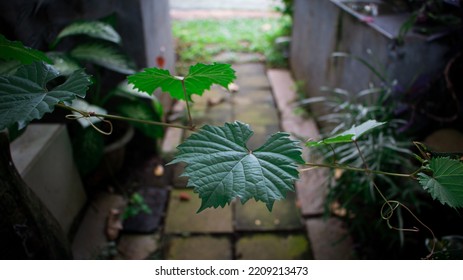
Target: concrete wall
321,28
43,156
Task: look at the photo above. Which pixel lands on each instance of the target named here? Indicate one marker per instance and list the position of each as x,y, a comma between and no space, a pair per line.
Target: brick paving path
237,231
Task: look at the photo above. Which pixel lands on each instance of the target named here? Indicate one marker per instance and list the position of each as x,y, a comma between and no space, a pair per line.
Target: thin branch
351,168
392,208
86,114
361,156
190,119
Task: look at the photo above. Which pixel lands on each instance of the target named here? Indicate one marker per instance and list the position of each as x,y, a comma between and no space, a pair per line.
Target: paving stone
248,69
182,216
259,115
330,239
301,128
273,247
156,199
312,185
311,191
255,96
215,95
445,140
137,247
218,114
254,216
173,137
239,101
283,90
199,248
213,107
228,57
272,128
252,82
91,238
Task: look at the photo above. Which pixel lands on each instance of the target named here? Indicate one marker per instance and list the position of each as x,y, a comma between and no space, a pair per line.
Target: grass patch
201,40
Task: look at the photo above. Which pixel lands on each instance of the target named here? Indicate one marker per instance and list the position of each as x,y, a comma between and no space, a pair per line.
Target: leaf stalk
352,168
190,119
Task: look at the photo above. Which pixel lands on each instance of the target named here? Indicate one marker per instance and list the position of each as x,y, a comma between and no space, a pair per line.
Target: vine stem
190,119
392,208
351,168
86,114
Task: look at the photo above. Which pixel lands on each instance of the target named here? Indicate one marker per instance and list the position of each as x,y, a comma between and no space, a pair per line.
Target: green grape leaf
26,95
104,55
200,78
446,182
347,136
220,167
15,50
94,29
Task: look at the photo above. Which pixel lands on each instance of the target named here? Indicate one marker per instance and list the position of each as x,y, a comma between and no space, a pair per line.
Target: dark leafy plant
136,206
440,176
286,7
431,18
99,44
16,51
384,148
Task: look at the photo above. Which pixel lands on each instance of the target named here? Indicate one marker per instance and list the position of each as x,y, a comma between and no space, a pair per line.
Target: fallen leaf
158,170
184,196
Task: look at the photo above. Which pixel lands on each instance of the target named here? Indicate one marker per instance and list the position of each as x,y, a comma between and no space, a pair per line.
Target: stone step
265,246
254,216
203,247
183,219
92,236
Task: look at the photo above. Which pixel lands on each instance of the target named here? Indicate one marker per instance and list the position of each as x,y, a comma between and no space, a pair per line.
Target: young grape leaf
446,182
25,96
94,29
347,136
17,51
200,78
220,167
